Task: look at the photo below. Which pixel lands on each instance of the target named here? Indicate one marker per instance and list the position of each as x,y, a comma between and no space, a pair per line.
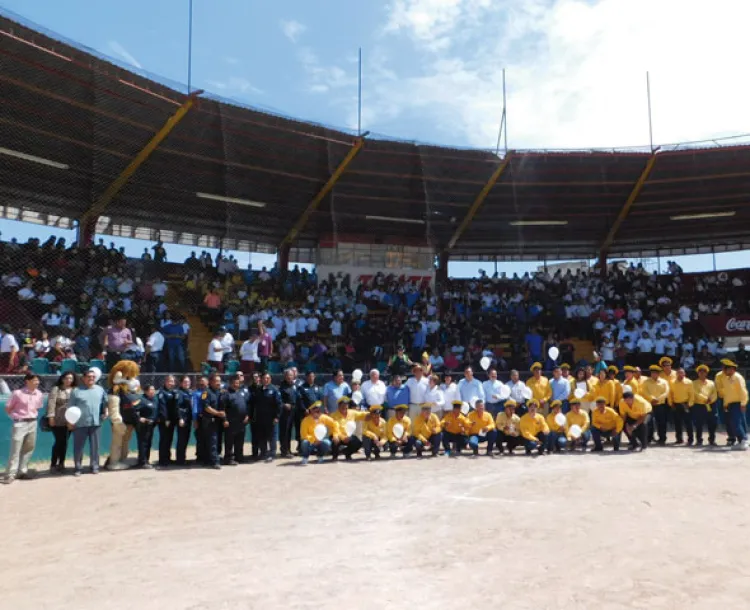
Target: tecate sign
738,326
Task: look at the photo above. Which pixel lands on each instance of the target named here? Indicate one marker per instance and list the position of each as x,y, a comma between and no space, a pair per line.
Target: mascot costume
123,398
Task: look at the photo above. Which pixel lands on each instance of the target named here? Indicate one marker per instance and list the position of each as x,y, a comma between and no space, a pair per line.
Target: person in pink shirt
23,407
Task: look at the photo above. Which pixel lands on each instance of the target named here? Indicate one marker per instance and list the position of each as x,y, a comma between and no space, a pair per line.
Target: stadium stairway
200,337
584,350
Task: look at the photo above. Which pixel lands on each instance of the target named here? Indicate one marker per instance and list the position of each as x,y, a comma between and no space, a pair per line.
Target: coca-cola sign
723,326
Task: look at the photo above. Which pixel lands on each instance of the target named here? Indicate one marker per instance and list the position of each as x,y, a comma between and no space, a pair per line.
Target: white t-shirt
51,319
301,325
215,351
336,328
156,341
290,324
646,346
47,298
417,390
160,289
243,322
249,350
374,393
227,342
685,313
312,324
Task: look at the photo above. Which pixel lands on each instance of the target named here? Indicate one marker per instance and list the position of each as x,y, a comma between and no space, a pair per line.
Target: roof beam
327,188
101,204
636,190
479,200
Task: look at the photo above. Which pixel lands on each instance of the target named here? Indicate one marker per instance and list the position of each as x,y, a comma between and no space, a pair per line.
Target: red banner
726,326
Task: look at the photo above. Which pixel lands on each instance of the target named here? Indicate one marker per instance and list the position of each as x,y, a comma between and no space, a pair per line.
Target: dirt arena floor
662,529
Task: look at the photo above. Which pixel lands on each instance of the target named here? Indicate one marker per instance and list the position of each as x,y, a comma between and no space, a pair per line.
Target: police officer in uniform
211,420
235,402
266,413
184,403
146,410
254,390
290,403
200,454
166,400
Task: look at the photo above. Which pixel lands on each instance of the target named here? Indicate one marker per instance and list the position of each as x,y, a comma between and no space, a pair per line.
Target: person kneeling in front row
427,431
557,440
373,433
577,417
310,443
348,443
455,428
534,429
508,426
404,440
605,423
481,428
636,412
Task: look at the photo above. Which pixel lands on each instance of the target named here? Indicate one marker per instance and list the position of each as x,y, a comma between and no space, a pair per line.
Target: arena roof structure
72,123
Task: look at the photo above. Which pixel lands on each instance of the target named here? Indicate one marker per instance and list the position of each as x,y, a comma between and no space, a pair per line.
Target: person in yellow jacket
374,436
656,391
667,374
427,431
534,429
310,442
734,391
630,379
351,443
604,388
605,423
577,417
508,426
481,429
722,414
539,385
455,428
636,413
682,398
398,431
705,407
612,373
556,439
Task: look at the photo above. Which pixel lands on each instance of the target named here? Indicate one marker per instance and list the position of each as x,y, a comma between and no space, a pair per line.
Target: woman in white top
450,390
435,396
249,354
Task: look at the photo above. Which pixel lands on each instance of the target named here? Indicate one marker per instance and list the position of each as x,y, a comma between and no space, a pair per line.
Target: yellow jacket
576,419
719,381
552,424
374,431
734,390
705,393
681,392
634,384
640,407
405,422
606,421
308,427
476,425
618,392
655,390
504,423
670,379
533,425
604,388
540,388
455,424
423,429
351,415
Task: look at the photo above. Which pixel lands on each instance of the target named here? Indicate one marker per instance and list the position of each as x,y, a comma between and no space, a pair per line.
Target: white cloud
292,29
322,78
123,53
575,70
234,85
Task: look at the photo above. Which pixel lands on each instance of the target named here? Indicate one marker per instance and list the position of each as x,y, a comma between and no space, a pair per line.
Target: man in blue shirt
174,339
396,394
534,343
469,388
333,390
560,388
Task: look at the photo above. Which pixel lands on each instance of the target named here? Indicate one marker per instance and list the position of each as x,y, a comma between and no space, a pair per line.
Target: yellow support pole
637,188
479,200
100,205
327,187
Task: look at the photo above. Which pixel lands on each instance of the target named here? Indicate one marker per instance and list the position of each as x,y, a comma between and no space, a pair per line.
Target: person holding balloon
534,428
481,429
316,430
577,426
346,421
455,428
86,411
557,423
374,434
508,426
57,404
427,431
398,430
539,386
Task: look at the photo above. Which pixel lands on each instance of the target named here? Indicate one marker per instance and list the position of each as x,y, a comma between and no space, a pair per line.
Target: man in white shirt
301,325
249,353
492,391
227,342
417,387
517,388
160,289
312,324
26,293
215,357
373,390
686,314
154,347
47,298
336,330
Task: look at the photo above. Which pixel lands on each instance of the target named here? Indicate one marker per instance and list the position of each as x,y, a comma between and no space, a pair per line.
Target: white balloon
527,393
485,363
320,432
626,389
97,373
72,415
560,419
553,353
134,385
504,392
351,426
357,397
579,393
398,430
357,375
575,431
465,408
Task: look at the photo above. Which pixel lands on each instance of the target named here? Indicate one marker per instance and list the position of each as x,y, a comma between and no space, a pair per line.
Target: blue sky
433,68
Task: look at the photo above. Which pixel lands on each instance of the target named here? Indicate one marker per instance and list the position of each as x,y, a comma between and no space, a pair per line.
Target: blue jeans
80,436
435,440
539,444
490,438
320,448
737,422
556,441
703,417
597,435
370,447
565,406
176,358
406,448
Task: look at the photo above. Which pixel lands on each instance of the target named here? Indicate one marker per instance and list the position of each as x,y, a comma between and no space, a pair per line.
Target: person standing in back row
91,399
236,403
212,419
23,407
166,400
184,419
290,404
267,409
